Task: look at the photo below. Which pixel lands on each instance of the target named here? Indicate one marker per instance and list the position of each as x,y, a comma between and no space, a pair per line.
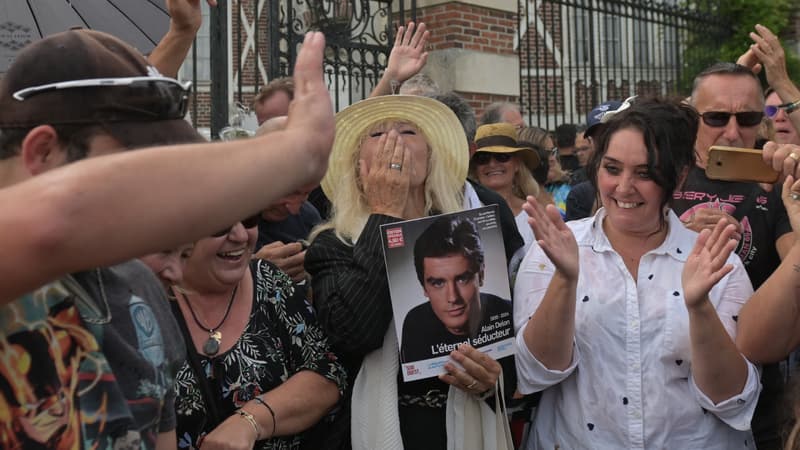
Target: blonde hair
524,184
349,213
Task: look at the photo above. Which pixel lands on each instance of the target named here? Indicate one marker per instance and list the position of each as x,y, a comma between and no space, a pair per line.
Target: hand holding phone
739,164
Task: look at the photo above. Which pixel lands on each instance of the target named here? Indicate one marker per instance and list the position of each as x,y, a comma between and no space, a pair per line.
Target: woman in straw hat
394,158
504,166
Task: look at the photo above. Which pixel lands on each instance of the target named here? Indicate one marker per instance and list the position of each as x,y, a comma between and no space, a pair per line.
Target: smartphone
739,164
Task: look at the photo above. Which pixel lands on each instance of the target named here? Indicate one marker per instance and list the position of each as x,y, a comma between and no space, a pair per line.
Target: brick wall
203,115
545,93
456,25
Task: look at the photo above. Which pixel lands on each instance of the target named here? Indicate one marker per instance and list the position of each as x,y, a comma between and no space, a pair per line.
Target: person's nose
732,133
453,296
625,184
294,207
238,233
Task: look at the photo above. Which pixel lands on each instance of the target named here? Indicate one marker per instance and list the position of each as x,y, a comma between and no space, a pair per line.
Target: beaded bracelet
249,417
260,401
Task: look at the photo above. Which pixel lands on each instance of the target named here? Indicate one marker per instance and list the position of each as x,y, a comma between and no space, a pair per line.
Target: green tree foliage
729,36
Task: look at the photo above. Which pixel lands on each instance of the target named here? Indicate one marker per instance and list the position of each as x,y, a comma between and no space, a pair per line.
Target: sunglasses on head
249,222
718,119
482,158
155,97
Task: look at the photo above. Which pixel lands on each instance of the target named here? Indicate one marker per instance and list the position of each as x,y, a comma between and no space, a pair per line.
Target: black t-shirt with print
761,213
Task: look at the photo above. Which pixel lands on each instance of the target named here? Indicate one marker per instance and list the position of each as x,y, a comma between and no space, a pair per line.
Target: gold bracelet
249,417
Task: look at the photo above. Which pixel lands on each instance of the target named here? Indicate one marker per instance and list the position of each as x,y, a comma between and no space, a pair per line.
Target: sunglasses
718,119
482,158
158,97
771,111
250,222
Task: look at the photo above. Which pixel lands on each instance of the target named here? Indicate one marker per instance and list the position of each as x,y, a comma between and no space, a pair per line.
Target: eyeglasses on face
160,97
250,222
718,119
771,111
482,158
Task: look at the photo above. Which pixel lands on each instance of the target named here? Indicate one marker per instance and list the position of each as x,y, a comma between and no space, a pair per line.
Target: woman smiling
259,371
633,298
502,165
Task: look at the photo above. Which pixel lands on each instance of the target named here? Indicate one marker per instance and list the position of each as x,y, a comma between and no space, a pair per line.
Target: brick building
557,59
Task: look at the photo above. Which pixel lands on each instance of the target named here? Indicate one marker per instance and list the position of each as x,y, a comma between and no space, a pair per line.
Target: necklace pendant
211,347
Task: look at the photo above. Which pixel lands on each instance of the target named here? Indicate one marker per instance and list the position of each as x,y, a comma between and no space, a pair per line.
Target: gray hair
419,84
464,112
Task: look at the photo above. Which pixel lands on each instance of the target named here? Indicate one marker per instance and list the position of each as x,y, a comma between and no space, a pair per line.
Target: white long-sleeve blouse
630,384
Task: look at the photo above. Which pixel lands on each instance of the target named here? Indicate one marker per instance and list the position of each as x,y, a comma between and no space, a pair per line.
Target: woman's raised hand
387,176
554,236
707,263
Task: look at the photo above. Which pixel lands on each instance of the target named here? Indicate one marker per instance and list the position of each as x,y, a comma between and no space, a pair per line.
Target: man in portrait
449,262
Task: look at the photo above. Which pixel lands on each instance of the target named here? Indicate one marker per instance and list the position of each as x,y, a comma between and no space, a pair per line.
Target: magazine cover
448,281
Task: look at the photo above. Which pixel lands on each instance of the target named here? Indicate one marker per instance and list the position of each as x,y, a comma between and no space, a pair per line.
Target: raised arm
719,370
766,52
407,58
108,209
185,21
769,323
550,332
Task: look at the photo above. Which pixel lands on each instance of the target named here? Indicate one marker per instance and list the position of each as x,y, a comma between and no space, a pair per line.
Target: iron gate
575,54
359,34
265,38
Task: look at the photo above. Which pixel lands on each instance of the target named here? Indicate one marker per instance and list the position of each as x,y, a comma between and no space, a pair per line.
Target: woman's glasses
482,158
771,111
718,119
250,222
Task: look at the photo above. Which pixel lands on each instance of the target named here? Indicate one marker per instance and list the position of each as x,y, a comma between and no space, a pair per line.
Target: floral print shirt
281,339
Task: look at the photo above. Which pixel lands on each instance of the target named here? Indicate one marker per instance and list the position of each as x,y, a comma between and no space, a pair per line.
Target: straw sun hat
435,120
502,138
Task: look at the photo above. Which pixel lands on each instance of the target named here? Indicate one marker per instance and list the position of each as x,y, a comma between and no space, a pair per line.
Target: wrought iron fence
576,54
265,37
573,54
358,33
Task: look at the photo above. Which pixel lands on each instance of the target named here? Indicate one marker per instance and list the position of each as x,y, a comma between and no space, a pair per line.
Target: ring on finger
795,196
794,156
472,385
396,166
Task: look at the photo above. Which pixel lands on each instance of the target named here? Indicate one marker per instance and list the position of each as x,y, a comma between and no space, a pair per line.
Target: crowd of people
232,295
